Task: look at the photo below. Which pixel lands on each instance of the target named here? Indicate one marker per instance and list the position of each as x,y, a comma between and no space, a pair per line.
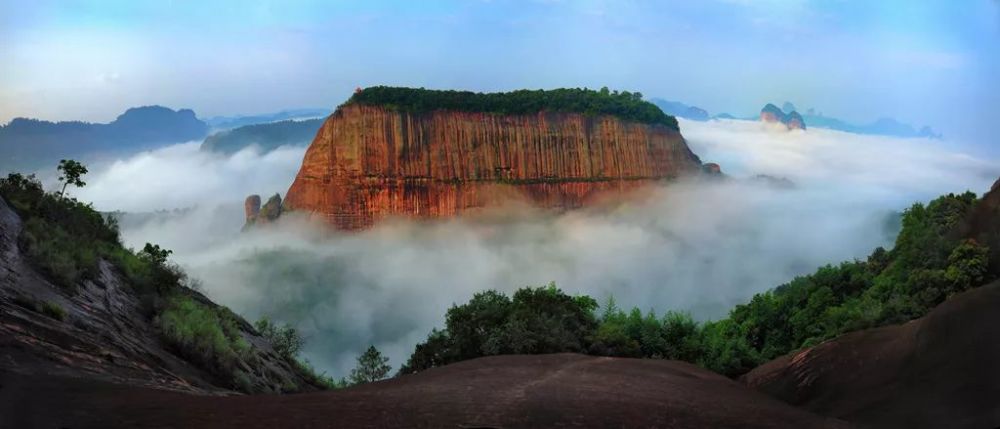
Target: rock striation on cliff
370,162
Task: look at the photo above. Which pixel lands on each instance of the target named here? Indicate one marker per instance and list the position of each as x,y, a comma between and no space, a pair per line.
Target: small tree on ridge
71,173
372,366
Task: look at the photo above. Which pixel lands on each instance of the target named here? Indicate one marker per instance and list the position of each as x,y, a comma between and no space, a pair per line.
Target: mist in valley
694,245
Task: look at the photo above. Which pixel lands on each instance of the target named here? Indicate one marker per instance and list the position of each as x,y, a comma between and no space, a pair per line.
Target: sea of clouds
698,246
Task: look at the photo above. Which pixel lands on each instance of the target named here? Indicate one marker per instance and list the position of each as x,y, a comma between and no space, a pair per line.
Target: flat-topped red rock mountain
369,162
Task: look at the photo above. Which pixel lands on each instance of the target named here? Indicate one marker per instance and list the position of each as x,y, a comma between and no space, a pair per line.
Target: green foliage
148,271
319,379
66,240
968,265
48,308
53,310
287,342
625,105
71,173
62,237
632,334
204,334
153,254
928,264
372,366
284,339
536,320
545,320
436,351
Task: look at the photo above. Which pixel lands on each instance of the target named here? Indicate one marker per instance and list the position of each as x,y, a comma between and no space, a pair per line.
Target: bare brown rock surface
251,207
368,163
561,390
937,371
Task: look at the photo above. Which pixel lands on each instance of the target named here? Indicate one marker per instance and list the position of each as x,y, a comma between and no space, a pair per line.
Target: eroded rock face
251,207
257,214
271,210
368,163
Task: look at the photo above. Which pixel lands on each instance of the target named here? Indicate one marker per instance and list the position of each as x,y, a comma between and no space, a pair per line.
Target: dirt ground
561,390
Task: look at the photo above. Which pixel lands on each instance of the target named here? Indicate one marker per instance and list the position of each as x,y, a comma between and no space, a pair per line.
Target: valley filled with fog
694,245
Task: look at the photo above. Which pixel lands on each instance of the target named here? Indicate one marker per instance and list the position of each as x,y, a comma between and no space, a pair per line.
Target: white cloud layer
699,246
183,176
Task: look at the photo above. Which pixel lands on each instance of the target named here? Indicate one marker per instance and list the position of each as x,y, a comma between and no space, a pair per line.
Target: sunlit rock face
368,163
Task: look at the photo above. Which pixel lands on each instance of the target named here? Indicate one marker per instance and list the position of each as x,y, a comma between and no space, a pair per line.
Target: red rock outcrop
251,207
368,162
259,215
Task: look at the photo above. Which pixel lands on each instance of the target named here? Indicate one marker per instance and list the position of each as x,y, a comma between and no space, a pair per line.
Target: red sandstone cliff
368,163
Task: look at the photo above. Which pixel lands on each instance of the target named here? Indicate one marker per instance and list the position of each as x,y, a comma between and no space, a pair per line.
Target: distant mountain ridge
884,126
230,122
265,136
881,127
32,143
791,119
676,108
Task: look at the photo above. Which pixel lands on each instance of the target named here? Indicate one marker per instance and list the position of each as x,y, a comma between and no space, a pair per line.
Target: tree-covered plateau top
625,105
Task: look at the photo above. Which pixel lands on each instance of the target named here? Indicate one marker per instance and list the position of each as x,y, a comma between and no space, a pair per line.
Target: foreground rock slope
561,390
101,330
370,162
934,372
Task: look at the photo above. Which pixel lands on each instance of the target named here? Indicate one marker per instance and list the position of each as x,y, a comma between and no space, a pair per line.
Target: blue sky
924,62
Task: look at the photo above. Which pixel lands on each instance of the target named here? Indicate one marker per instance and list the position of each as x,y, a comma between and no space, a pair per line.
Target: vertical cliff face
368,162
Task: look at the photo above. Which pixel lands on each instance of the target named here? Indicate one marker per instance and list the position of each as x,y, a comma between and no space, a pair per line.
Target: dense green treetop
625,105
